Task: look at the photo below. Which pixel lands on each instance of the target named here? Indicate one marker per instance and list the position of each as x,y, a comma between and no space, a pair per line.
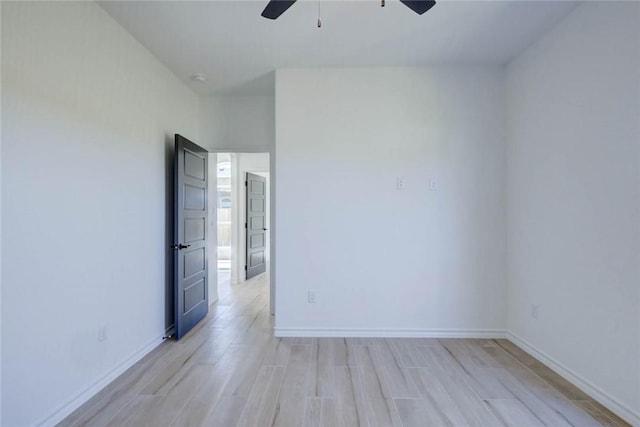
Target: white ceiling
239,50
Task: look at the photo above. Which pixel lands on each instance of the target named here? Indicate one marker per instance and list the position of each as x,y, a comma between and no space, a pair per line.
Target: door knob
179,246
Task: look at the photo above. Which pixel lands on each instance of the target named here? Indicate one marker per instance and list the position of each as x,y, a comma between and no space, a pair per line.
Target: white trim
391,333
601,396
65,410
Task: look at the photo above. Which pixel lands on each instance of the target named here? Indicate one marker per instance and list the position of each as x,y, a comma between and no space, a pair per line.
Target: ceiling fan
275,8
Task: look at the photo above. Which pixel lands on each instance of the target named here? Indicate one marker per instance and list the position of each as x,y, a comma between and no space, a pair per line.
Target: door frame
272,222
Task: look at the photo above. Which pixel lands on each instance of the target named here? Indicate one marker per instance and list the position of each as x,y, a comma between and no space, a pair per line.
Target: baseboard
391,333
65,410
610,402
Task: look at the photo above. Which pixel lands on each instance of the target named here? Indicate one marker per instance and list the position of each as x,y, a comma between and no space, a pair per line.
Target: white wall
237,123
573,198
383,261
88,117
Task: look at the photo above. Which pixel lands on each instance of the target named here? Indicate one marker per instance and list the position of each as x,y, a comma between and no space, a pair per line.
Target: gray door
255,225
190,235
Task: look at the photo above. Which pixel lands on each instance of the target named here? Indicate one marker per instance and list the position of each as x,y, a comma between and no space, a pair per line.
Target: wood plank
360,341
382,413
546,414
305,341
204,399
372,386
242,379
570,391
536,386
133,413
433,342
254,332
322,377
290,406
512,413
406,353
261,403
478,372
330,416
113,398
227,412
329,412
343,353
422,412
163,410
470,352
602,415
209,352
453,380
392,373
173,363
380,409
436,395
312,412
350,405
278,352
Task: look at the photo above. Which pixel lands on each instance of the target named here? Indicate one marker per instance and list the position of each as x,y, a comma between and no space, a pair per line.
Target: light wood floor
231,371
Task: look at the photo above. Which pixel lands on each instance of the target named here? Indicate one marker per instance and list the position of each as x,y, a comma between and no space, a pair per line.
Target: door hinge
246,183
245,225
245,268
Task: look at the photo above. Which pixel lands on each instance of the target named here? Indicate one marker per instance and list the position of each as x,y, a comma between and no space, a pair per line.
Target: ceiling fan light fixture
275,8
418,6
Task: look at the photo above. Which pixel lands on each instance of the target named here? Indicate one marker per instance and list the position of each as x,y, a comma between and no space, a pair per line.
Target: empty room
320,213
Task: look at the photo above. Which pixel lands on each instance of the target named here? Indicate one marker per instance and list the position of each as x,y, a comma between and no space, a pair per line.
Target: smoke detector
199,77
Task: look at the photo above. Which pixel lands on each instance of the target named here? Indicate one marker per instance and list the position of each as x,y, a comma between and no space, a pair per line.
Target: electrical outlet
400,184
311,297
535,311
102,332
433,185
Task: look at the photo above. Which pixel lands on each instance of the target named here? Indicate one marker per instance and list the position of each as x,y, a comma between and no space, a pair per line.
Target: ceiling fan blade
418,6
275,8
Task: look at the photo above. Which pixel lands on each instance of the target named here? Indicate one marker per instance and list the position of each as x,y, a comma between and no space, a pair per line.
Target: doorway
231,208
224,222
